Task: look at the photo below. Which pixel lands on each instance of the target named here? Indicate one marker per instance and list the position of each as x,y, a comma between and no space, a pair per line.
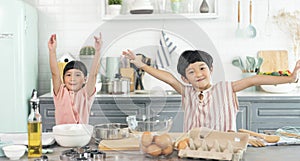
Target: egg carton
215,145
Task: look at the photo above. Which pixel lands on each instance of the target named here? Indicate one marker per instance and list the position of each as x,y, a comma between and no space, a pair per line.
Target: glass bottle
34,128
204,8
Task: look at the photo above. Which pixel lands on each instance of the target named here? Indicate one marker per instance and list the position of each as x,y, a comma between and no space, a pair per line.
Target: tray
218,145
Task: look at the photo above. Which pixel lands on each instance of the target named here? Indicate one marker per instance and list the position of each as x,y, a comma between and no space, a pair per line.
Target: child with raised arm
205,104
75,93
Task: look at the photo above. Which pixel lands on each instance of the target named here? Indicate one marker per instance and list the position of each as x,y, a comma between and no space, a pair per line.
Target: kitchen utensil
239,31
250,64
110,131
251,31
273,60
267,138
256,143
237,61
258,64
268,23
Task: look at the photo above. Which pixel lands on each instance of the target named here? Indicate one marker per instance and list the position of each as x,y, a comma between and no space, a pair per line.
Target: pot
110,131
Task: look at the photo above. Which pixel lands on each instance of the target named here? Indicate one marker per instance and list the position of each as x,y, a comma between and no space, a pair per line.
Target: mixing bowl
72,135
156,125
110,131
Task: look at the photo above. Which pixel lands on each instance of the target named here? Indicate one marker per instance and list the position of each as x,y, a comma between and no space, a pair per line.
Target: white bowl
72,135
14,152
279,88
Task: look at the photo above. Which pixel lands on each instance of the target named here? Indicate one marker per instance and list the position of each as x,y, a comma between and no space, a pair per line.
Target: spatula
239,32
267,138
251,31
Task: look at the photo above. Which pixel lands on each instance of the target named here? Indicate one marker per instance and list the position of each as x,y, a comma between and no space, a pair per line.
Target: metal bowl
110,131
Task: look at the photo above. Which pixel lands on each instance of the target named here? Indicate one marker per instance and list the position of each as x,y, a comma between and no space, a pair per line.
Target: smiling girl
75,93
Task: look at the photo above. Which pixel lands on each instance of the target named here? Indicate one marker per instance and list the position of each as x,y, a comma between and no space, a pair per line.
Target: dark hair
75,65
191,56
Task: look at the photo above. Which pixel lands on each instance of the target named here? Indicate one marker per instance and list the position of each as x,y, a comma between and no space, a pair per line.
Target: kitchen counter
270,153
241,94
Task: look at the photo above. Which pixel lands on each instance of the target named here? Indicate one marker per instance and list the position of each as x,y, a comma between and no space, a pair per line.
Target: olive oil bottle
34,128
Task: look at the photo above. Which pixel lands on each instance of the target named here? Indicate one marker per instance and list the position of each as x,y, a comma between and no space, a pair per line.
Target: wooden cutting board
126,144
273,60
131,143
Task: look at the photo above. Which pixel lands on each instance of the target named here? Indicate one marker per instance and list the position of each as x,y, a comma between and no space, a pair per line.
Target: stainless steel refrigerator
18,63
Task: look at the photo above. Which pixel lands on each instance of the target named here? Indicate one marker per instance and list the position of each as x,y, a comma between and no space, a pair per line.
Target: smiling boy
205,104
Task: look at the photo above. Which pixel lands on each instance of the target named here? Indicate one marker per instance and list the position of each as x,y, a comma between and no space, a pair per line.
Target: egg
147,138
168,150
163,140
154,150
183,144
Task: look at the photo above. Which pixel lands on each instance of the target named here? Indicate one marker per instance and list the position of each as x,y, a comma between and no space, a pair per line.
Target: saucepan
110,131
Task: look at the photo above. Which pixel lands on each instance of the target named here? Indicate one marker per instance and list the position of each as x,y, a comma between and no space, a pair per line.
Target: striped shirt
217,110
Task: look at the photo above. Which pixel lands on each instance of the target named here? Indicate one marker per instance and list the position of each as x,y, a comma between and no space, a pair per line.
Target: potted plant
114,7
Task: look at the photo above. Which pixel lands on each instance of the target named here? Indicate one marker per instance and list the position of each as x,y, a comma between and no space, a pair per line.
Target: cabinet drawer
47,110
116,110
275,112
261,127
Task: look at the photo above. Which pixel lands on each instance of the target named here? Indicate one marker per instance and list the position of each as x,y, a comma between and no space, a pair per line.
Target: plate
22,138
142,11
279,88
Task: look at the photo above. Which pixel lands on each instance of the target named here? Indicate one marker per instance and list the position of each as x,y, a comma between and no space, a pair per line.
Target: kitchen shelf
214,13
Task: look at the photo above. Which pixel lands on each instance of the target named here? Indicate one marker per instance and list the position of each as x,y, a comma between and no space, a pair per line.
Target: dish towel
164,51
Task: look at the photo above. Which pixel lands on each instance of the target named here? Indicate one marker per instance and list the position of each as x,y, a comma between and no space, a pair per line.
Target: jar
120,85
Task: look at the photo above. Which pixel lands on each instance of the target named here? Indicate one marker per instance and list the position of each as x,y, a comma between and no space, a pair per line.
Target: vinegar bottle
34,128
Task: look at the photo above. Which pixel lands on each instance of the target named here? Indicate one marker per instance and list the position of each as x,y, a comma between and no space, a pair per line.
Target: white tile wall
75,20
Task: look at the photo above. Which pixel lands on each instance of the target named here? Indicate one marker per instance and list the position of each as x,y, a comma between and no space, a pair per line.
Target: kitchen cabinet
271,112
158,15
256,112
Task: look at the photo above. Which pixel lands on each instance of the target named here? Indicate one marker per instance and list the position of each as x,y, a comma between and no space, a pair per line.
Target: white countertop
293,93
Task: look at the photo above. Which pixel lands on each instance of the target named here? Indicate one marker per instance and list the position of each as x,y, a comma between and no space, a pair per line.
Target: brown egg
147,138
144,149
154,150
183,144
163,140
168,150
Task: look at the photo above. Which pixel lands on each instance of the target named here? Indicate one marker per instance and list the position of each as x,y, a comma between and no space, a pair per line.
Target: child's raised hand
52,43
98,42
137,61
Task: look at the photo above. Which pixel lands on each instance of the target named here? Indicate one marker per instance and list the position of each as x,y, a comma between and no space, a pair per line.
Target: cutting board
273,60
126,144
131,143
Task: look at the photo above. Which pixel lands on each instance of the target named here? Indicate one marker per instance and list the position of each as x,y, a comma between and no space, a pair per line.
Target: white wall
74,20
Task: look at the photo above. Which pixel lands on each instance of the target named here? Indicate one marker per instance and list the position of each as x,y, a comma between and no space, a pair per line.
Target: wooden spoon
267,138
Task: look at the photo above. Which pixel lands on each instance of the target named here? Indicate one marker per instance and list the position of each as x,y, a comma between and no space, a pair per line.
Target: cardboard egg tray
216,145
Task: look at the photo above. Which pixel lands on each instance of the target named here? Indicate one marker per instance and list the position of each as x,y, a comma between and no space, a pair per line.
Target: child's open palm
98,42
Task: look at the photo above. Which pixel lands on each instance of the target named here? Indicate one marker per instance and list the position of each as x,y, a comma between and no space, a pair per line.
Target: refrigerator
18,63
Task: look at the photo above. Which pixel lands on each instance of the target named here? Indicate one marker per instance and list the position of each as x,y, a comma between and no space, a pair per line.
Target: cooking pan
110,131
